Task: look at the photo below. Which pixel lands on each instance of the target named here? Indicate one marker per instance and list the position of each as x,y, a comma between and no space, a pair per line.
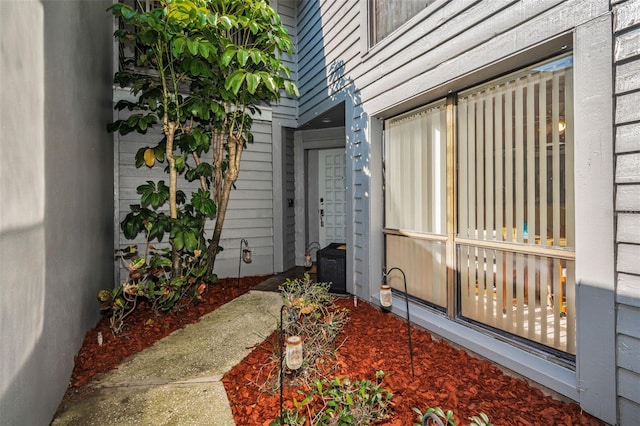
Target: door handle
321,217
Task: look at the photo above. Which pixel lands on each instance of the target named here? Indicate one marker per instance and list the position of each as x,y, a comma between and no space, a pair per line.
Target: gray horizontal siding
287,106
627,176
450,46
628,135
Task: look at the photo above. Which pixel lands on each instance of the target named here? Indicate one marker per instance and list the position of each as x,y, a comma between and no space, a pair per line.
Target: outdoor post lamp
308,262
293,351
386,300
245,256
246,252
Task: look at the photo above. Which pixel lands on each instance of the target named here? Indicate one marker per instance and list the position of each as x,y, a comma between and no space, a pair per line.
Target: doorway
331,209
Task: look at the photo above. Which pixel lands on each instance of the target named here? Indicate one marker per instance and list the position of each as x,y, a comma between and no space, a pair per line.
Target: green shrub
339,402
150,279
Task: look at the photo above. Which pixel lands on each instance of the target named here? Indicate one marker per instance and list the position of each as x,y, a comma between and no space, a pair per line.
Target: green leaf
269,81
127,12
253,27
234,81
204,50
178,241
140,157
255,55
202,201
192,45
178,46
291,88
190,241
226,22
180,164
226,57
160,151
253,80
243,56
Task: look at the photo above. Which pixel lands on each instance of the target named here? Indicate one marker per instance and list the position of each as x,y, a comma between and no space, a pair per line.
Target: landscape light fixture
245,256
246,252
308,262
292,351
386,301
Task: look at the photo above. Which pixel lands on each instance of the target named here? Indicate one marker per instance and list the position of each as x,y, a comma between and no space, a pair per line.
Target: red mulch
144,328
444,376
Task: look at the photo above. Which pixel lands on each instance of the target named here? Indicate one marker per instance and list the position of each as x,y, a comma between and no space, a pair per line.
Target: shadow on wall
342,89
22,187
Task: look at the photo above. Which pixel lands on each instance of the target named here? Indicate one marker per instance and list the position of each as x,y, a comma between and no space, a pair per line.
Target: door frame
306,142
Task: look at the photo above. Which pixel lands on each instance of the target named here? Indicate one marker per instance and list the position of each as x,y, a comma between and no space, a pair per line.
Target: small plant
339,402
435,415
319,322
150,279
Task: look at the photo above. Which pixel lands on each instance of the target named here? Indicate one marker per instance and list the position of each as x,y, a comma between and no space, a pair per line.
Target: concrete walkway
178,380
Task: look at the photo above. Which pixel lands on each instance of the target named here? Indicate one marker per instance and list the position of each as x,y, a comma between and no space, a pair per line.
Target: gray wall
627,131
453,45
56,186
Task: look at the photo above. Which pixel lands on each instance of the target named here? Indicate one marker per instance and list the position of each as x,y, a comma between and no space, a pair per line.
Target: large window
388,15
510,232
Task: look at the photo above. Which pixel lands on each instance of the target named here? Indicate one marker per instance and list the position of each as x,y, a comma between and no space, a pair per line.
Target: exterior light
386,297
293,349
386,300
294,352
246,252
245,256
308,261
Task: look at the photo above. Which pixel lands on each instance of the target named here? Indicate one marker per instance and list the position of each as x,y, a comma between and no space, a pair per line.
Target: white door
331,192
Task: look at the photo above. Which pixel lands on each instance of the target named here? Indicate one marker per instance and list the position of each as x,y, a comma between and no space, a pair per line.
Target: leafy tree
201,69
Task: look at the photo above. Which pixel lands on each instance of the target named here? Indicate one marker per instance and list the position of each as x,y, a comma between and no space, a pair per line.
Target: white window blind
515,187
415,201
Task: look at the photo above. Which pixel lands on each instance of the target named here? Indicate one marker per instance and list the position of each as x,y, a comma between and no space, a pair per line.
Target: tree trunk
230,176
170,131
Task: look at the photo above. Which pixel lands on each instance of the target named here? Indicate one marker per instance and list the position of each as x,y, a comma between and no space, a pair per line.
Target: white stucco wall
56,186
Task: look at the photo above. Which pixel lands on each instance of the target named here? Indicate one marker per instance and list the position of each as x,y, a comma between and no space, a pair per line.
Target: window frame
372,25
454,241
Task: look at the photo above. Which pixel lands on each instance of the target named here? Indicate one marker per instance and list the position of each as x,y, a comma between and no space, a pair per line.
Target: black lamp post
292,351
245,256
386,300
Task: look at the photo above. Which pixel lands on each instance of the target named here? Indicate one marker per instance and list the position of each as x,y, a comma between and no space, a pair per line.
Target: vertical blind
515,186
415,201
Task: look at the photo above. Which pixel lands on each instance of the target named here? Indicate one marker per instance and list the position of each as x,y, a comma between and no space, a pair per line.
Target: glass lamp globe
293,352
